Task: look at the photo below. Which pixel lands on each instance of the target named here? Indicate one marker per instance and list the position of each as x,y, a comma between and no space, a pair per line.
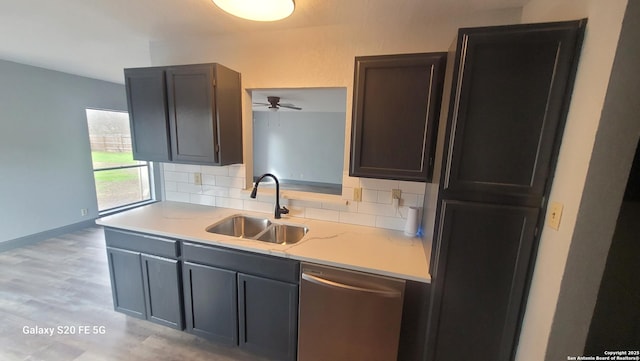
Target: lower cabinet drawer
280,269
143,243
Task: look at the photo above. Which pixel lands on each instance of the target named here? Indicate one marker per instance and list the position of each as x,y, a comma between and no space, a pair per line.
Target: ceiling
98,38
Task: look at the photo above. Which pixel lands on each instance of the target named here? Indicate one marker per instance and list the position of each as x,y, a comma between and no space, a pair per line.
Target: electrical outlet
396,194
357,194
84,212
197,178
555,213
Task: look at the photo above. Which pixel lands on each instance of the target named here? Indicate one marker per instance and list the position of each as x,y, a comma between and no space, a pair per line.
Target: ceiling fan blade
261,104
290,106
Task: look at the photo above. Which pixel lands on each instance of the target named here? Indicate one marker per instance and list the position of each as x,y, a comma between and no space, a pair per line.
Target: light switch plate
197,178
554,215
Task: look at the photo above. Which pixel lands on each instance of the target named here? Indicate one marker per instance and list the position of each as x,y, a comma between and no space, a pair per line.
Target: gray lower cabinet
145,282
242,298
268,316
161,278
211,306
126,282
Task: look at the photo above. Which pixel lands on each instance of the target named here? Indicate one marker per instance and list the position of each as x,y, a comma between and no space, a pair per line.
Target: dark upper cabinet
147,102
479,279
396,106
510,92
186,113
508,106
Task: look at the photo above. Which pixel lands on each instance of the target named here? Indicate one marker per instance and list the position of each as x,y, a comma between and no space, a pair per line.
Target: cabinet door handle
332,284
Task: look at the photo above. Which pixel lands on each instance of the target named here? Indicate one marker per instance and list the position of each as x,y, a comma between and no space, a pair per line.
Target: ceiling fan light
257,10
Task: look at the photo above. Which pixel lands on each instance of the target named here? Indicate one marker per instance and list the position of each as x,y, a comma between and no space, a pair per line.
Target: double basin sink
259,229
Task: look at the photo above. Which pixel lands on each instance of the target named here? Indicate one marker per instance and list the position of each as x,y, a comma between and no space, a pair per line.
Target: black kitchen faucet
279,211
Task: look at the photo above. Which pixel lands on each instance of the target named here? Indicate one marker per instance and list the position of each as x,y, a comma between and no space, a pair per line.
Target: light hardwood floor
64,282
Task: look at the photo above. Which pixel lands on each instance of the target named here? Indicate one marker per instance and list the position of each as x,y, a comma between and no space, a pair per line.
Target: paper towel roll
413,220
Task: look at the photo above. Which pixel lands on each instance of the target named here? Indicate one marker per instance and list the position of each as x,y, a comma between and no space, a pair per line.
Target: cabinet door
126,282
483,254
162,291
146,98
509,99
396,105
192,114
268,316
210,297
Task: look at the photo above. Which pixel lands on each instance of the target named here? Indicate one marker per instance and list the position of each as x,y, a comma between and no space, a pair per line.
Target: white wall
576,153
302,146
46,173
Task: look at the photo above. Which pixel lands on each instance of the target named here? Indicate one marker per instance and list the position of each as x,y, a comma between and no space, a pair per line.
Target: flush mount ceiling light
258,10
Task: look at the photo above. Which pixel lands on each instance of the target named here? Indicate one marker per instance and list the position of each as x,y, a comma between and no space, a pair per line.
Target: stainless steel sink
259,229
240,226
283,234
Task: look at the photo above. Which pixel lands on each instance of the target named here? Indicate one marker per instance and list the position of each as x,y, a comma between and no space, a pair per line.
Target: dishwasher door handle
325,282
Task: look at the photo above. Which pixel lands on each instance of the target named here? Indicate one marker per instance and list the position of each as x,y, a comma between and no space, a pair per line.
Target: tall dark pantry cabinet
510,91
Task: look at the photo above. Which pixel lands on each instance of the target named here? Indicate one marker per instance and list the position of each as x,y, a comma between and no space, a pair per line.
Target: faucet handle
284,210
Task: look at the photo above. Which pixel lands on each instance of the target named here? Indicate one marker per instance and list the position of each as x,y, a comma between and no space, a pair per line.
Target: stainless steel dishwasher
346,315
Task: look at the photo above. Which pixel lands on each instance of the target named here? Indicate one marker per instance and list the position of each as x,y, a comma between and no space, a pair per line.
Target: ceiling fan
274,104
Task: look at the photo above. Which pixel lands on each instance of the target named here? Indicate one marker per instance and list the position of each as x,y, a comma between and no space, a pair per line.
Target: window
120,180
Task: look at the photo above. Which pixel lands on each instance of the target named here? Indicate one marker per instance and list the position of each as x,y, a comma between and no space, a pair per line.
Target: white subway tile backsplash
238,193
384,197
369,195
390,223
377,209
229,203
322,214
170,186
176,176
231,182
349,206
202,199
301,203
255,206
215,191
412,187
225,187
224,171
177,196
168,166
208,179
411,200
189,188
378,184
358,218
188,168
237,171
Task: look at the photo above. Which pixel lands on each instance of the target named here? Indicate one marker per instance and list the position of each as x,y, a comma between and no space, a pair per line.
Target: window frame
139,164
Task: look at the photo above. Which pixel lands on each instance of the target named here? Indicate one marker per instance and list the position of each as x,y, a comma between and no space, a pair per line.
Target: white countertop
374,250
